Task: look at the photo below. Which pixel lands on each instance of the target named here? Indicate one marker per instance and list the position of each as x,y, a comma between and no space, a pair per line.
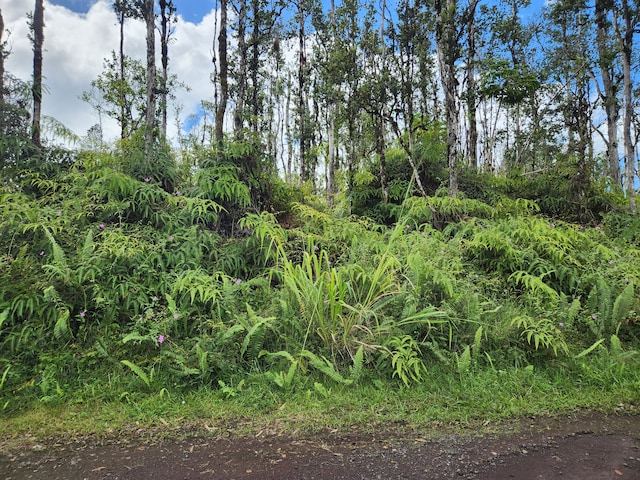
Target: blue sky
191,10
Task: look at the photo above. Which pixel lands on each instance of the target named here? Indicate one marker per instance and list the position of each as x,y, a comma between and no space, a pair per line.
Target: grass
443,401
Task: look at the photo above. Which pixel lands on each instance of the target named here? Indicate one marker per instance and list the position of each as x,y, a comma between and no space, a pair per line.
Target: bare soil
578,447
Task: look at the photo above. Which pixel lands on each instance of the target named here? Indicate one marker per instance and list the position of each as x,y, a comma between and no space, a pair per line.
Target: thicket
120,275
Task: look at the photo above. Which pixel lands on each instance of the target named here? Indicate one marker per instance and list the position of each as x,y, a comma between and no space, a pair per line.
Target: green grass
443,400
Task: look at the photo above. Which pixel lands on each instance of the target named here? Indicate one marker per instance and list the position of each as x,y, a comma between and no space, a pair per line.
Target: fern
622,305
138,371
325,366
256,333
62,328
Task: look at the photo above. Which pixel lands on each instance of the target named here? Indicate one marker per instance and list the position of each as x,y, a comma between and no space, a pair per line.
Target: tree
37,30
121,99
450,23
125,9
167,16
149,16
607,56
626,28
223,76
2,58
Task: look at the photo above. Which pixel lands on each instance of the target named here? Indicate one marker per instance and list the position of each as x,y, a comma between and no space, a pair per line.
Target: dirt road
581,447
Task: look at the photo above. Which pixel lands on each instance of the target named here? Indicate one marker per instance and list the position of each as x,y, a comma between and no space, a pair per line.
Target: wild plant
609,309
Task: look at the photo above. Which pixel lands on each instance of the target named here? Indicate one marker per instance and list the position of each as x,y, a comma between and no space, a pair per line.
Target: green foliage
403,357
542,334
107,275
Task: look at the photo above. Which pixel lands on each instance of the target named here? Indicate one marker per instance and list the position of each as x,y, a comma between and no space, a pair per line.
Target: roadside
581,446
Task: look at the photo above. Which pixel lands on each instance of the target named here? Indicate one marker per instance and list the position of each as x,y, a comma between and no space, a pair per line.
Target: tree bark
149,17
221,108
626,39
305,167
38,40
238,117
166,12
472,132
448,52
2,56
609,95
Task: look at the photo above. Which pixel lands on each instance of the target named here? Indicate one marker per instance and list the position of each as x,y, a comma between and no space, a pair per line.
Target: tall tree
450,25
125,9
37,29
241,68
626,28
2,57
149,16
607,55
167,16
223,75
307,166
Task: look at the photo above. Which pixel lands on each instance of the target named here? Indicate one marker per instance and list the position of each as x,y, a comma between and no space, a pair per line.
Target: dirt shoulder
584,446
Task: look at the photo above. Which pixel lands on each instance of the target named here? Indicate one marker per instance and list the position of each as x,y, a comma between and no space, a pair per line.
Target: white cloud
76,46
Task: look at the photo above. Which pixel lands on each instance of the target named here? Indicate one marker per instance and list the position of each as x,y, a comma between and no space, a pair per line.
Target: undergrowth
125,290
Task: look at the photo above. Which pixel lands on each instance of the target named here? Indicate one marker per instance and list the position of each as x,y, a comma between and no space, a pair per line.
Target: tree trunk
448,52
380,141
224,76
472,132
609,95
305,167
165,33
123,108
149,17
2,56
629,147
238,116
38,40
331,157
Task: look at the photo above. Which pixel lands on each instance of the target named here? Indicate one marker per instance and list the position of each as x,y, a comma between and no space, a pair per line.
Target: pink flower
238,281
171,238
155,299
148,179
82,314
176,315
102,225
41,252
161,339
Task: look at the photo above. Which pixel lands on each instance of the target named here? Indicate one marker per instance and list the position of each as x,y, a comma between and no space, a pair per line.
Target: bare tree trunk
629,147
38,40
149,17
472,132
2,56
331,161
448,51
166,12
224,75
380,140
305,167
289,135
609,95
123,111
238,117
331,154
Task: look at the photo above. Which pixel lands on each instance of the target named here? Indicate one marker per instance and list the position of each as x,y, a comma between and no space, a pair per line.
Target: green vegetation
132,292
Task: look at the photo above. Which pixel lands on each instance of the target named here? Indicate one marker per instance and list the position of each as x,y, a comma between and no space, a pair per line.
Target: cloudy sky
80,34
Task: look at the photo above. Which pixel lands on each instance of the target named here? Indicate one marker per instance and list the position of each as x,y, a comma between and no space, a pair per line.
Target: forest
424,196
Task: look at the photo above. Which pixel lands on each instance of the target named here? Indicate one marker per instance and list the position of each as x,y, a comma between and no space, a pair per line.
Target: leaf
61,328
138,371
587,351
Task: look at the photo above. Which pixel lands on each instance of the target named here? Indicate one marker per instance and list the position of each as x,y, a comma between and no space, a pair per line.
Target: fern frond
622,305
